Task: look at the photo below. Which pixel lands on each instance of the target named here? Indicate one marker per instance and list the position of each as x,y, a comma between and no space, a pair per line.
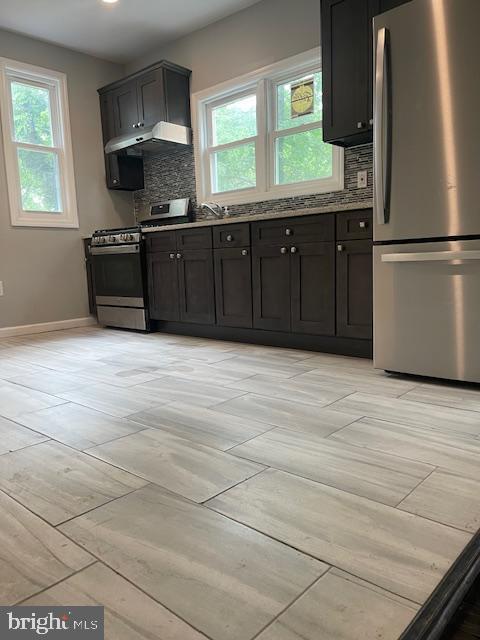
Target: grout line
54,584
239,444
435,468
265,468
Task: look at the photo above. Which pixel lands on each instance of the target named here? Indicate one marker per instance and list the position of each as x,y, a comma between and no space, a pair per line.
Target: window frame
12,71
263,83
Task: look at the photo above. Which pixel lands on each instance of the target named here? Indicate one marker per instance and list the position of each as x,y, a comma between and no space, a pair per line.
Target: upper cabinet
347,64
160,92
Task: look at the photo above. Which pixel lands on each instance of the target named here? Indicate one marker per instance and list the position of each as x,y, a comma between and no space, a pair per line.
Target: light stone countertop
293,213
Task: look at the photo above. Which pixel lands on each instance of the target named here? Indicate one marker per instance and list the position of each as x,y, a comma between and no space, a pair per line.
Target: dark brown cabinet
159,92
313,288
233,287
354,289
180,281
163,291
271,288
347,67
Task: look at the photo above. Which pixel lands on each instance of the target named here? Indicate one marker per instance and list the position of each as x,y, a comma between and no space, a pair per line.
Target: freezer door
427,120
427,309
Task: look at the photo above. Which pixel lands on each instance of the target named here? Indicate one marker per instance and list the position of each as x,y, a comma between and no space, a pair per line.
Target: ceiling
119,32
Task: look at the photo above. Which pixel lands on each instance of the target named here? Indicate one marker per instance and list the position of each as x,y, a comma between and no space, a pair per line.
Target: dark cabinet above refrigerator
132,108
348,68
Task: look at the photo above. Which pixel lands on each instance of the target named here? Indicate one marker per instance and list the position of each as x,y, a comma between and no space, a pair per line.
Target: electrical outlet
1,287
362,179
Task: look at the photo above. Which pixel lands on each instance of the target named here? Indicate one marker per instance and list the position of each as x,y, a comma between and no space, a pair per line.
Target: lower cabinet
294,288
233,287
163,291
181,285
313,288
271,288
196,287
354,289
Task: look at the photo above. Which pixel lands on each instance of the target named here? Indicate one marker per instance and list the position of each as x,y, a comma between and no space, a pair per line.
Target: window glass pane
234,168
303,156
285,118
32,122
39,180
235,121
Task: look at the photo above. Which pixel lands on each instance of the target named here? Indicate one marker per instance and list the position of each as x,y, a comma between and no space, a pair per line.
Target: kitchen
248,251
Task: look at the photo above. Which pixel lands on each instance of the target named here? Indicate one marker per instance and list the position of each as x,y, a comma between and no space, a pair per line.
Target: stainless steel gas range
118,258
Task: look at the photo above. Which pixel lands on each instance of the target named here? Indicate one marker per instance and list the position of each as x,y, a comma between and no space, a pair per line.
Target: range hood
162,136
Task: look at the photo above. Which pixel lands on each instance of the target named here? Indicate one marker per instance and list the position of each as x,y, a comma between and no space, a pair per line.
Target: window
260,137
37,144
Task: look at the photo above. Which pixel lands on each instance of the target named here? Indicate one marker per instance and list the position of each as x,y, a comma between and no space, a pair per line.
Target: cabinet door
163,286
233,287
196,287
347,70
313,288
125,113
151,98
354,289
271,288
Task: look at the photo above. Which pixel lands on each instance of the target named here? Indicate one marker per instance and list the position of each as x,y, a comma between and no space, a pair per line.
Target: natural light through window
37,144
260,137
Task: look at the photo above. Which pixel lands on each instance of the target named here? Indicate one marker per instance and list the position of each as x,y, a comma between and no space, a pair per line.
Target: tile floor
203,489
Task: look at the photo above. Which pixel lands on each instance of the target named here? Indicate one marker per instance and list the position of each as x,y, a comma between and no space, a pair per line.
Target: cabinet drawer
306,229
161,241
231,235
200,238
354,225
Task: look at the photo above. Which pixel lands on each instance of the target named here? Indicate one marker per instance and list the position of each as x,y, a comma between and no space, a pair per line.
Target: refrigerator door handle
431,256
382,130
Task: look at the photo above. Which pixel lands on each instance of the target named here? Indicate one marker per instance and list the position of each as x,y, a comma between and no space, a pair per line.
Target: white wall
257,36
43,270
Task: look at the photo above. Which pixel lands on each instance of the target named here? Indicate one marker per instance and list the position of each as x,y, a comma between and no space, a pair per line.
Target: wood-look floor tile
129,613
397,551
11,368
78,426
33,555
193,370
367,473
201,393
52,382
58,483
284,413
121,375
357,379
446,396
114,401
452,450
16,400
449,498
262,365
187,468
407,412
211,428
225,579
297,389
13,436
340,607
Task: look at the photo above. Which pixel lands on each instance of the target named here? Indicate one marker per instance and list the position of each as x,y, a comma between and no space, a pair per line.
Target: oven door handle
129,248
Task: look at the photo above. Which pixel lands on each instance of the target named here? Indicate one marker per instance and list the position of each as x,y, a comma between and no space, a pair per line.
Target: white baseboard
45,327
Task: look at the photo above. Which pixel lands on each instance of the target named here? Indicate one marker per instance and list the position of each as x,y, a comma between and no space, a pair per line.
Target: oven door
118,276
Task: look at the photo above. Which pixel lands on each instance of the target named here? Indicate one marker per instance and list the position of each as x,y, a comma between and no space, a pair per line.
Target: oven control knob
113,239
102,240
130,237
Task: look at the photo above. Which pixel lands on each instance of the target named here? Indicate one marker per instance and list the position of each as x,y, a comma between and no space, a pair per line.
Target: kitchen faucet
214,208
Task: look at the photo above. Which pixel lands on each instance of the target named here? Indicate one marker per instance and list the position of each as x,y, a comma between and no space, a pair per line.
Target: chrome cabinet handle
229,238
293,249
283,250
135,126
172,256
244,252
179,255
362,224
288,232
340,247
115,181
360,125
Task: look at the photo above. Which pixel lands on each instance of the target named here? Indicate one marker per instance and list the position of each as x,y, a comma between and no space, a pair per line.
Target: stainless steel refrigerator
427,189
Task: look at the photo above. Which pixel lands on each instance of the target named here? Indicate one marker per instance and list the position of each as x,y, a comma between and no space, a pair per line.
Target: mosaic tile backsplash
173,176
